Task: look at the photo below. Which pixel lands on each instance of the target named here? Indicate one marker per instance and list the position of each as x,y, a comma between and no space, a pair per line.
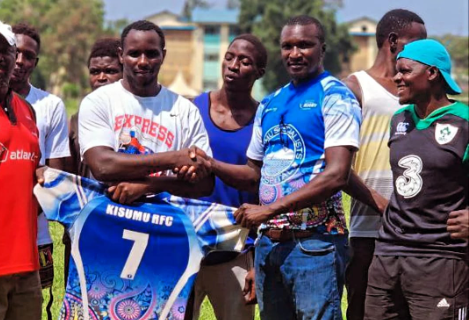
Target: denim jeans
301,278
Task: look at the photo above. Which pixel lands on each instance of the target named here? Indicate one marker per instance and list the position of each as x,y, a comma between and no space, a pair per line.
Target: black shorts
432,288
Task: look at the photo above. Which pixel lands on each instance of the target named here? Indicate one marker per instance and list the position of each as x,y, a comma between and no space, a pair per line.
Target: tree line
68,29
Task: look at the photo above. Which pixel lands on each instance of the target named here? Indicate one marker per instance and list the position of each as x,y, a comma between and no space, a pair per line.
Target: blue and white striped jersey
292,130
133,262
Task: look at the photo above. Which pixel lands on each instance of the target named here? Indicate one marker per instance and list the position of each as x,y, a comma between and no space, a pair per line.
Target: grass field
58,287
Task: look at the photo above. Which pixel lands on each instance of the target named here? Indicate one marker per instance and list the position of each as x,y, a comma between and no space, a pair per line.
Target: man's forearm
241,177
357,189
108,165
56,163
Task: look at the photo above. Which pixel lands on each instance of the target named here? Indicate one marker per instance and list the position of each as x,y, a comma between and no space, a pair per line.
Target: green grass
71,105
58,287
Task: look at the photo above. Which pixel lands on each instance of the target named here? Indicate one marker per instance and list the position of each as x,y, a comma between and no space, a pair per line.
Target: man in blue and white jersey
133,262
304,138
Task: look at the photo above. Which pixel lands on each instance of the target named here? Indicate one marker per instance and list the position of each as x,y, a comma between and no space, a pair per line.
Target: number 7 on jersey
136,253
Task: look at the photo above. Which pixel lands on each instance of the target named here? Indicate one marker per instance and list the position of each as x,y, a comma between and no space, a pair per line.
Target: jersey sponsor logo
410,182
6,154
445,133
308,104
283,159
271,109
401,128
144,126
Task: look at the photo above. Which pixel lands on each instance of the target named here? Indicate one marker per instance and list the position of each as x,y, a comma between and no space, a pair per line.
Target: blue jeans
301,278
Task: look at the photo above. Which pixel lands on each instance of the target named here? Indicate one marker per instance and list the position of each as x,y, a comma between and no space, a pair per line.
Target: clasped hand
251,215
196,168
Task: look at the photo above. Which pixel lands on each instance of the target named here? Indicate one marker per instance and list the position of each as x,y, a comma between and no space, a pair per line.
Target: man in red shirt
20,290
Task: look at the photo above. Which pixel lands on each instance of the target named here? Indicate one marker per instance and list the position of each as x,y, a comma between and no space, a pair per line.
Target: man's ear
392,40
164,55
120,51
433,73
323,50
37,61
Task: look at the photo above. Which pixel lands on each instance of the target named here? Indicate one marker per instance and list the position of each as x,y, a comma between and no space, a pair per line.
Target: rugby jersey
133,262
292,129
430,165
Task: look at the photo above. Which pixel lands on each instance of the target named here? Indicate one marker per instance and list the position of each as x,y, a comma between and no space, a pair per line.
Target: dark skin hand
242,177
129,192
132,173
58,163
40,175
249,290
334,178
324,185
458,224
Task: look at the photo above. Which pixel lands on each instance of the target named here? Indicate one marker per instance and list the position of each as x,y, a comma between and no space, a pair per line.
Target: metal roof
211,15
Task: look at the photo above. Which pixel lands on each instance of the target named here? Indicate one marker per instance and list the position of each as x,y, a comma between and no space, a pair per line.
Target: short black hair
105,47
261,51
27,30
304,20
396,20
143,25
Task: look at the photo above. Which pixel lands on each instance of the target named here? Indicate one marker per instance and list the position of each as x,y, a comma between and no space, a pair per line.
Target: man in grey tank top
377,95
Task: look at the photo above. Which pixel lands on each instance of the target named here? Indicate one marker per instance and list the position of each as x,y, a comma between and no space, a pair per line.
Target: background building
362,31
195,49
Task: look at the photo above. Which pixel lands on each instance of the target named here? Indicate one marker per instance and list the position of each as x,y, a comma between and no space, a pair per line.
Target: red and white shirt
19,157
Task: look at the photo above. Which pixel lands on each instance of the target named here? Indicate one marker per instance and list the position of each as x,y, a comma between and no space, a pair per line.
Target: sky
440,16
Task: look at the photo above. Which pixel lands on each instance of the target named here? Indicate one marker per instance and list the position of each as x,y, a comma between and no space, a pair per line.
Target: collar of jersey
309,82
457,109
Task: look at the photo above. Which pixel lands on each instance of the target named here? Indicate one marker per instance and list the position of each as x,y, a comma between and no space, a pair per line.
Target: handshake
193,165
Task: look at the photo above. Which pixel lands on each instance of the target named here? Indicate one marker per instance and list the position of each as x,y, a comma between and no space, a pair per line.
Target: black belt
281,235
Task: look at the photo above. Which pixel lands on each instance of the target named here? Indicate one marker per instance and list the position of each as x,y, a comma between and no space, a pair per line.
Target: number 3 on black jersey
410,183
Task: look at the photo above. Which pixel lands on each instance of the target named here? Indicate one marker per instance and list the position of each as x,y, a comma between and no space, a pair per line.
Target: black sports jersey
430,165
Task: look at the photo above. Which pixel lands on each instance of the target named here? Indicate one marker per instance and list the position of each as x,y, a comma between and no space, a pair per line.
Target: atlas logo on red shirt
5,154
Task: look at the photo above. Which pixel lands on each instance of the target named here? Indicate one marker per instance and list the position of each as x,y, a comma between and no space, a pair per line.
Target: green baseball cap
432,53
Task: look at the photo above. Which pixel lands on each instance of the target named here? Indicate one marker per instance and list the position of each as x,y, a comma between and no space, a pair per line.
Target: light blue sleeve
63,195
342,116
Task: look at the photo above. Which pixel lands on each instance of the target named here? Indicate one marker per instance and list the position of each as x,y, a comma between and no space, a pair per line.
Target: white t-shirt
51,121
110,115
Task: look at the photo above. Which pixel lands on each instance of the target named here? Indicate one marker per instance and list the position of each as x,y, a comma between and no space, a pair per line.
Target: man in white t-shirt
51,120
134,131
